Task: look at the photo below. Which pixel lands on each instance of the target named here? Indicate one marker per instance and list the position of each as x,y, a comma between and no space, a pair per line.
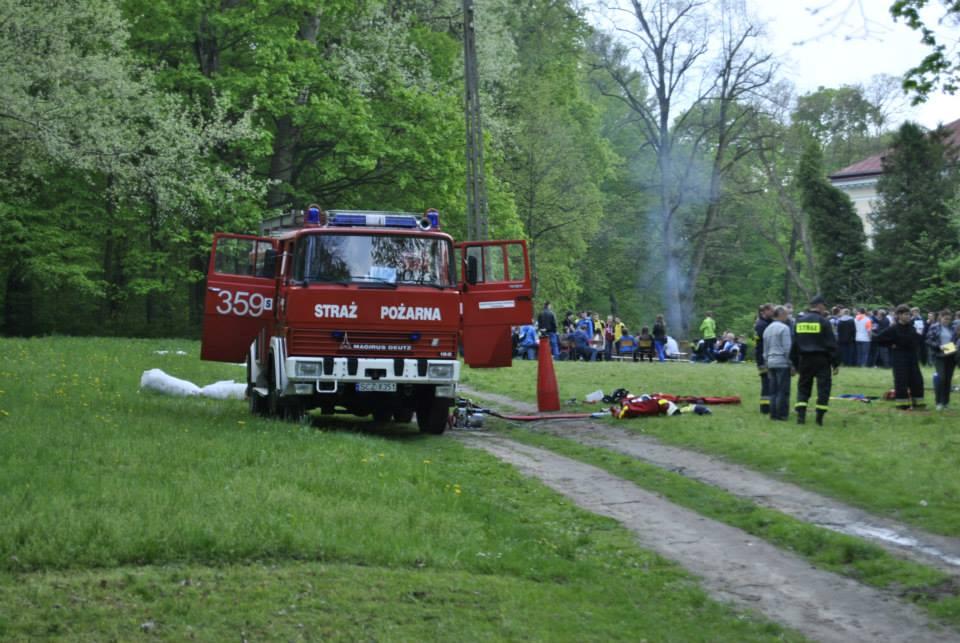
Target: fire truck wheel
432,416
293,410
403,415
258,404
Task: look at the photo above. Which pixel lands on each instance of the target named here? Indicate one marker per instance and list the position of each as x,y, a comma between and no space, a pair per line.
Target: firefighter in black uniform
764,317
904,342
814,355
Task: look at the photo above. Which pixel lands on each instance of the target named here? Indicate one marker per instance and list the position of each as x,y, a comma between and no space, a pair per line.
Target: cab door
496,295
241,291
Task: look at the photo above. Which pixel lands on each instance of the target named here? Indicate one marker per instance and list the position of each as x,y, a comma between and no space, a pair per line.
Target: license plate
376,387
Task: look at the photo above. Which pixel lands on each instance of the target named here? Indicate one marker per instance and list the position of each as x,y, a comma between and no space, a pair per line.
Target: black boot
765,408
801,414
820,414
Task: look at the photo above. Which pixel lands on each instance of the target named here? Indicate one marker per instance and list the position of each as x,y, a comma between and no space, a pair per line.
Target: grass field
893,463
125,513
889,462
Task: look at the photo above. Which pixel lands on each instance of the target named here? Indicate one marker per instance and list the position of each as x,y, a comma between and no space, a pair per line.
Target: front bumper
328,374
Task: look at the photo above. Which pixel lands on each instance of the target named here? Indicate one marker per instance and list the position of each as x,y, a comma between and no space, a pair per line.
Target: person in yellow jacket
708,328
708,333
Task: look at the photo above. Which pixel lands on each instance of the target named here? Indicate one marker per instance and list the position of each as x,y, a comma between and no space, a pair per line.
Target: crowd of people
585,336
815,344
812,345
856,330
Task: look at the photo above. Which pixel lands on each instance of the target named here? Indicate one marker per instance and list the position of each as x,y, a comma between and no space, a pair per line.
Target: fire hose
467,414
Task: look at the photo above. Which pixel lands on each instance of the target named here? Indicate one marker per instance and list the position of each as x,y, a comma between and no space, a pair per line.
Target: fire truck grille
313,342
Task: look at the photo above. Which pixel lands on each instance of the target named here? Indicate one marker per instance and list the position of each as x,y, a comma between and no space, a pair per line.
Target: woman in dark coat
904,342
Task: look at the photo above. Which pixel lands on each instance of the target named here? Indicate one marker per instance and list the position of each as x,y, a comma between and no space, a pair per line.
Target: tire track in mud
732,565
940,552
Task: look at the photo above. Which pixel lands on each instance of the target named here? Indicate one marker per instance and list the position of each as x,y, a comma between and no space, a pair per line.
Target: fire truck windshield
374,259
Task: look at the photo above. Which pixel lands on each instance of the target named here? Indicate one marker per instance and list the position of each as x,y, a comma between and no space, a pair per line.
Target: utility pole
476,187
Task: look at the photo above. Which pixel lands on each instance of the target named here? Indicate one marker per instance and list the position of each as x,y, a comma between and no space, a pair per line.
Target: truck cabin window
372,259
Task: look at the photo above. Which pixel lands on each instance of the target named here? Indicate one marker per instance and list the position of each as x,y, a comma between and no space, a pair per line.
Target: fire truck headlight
440,371
308,369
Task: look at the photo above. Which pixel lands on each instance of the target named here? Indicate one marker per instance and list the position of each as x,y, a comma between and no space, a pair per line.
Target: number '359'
243,303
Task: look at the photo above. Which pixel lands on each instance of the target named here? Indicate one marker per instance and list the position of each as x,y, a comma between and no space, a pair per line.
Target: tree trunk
791,259
534,273
281,162
206,48
287,137
671,282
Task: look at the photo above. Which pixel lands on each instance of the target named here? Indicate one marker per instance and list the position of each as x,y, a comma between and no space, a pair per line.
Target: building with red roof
859,180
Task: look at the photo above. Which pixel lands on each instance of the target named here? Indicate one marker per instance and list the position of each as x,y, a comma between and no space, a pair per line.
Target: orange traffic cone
548,397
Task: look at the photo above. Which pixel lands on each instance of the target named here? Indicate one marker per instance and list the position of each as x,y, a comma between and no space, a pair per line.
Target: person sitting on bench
728,350
645,348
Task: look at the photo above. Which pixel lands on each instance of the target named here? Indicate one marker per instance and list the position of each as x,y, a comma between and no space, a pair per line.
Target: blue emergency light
360,218
349,220
399,221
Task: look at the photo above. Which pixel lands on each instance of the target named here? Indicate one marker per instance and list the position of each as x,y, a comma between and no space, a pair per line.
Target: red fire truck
361,312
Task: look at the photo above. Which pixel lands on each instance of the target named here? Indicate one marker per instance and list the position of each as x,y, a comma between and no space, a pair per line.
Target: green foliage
114,170
940,68
837,231
943,290
554,161
131,130
843,121
914,225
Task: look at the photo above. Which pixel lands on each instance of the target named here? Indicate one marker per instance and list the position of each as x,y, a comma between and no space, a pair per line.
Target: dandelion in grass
426,462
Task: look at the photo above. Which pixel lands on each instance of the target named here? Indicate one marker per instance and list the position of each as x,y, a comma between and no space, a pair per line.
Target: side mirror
472,270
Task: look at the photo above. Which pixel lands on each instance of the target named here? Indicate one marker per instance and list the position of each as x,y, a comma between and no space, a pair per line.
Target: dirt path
937,551
732,565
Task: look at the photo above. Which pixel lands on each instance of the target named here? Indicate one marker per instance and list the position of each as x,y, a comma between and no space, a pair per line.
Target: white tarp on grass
159,382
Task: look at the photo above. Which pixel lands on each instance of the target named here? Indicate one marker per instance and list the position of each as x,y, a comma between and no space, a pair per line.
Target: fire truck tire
403,415
258,404
432,415
293,410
